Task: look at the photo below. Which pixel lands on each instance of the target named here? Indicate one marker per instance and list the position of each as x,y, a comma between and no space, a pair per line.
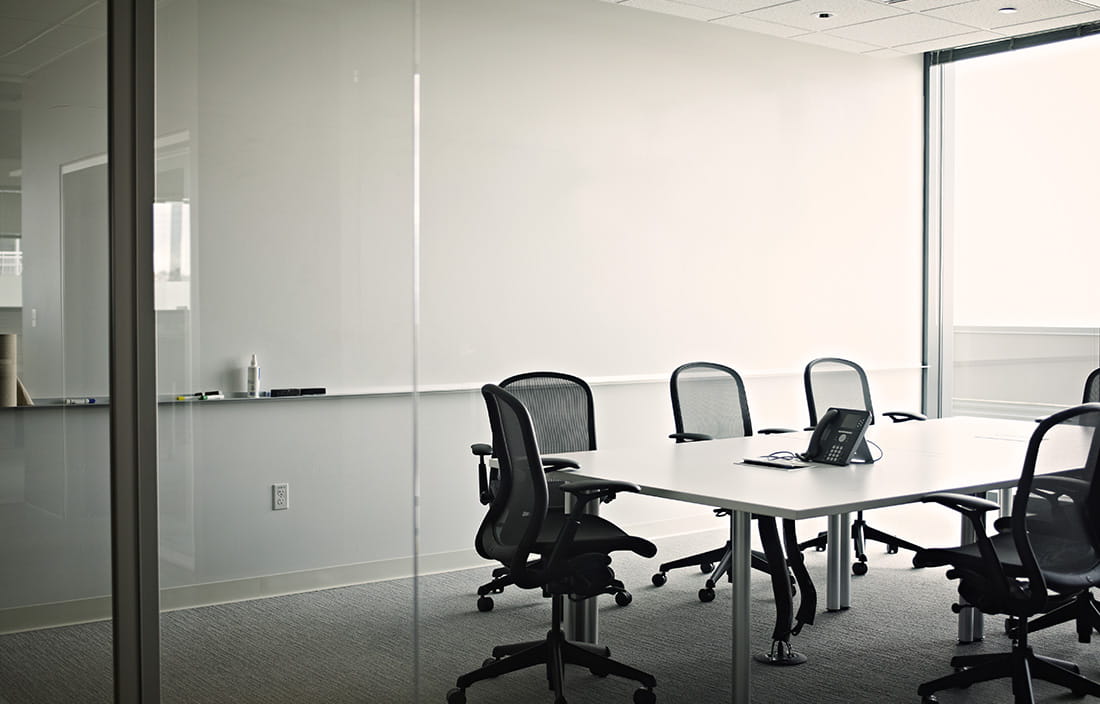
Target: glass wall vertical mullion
939,268
132,353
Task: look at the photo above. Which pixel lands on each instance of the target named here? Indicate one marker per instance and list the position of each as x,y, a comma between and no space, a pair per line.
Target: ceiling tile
885,53
949,42
731,7
828,40
57,42
1055,23
50,12
922,5
904,29
804,13
983,14
693,12
760,26
94,15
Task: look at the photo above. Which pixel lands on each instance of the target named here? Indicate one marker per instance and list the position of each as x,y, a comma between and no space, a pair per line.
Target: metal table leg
581,619
741,569
838,587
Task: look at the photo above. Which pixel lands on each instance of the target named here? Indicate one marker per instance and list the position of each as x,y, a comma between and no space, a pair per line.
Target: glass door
55,510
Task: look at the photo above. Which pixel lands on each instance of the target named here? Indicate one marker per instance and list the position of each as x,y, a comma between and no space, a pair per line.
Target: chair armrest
973,507
690,437
584,490
961,502
553,464
484,491
775,431
902,416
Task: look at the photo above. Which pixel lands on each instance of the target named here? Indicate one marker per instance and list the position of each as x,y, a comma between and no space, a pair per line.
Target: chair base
1083,610
861,533
1021,664
716,561
503,578
555,652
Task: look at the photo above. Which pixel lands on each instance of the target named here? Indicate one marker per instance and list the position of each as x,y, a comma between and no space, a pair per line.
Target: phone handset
839,437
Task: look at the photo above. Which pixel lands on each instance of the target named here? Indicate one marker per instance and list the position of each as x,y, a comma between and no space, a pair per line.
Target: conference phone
839,438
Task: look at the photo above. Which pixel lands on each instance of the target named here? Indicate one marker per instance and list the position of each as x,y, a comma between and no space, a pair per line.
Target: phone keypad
833,454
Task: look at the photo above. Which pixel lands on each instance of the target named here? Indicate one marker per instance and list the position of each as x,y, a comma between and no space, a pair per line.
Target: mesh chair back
836,383
1092,388
1056,519
518,509
561,409
709,398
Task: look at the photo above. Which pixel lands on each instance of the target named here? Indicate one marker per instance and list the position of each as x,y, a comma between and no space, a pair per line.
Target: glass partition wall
1012,203
282,230
55,515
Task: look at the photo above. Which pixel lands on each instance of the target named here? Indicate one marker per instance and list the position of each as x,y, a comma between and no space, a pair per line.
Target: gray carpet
355,644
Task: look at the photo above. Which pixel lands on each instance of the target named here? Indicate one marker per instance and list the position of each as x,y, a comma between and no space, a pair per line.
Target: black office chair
708,403
840,383
563,414
1092,388
1030,569
1084,610
547,555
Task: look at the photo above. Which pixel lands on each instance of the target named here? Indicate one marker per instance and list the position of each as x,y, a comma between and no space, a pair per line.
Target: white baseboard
67,613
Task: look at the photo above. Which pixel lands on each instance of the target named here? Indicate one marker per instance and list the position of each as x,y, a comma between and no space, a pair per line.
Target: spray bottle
253,378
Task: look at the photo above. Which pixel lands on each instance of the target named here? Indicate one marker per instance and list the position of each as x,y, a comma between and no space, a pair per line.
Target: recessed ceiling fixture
823,15
1007,10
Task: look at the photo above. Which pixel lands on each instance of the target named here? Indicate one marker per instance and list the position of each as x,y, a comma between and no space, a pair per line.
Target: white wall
603,191
613,192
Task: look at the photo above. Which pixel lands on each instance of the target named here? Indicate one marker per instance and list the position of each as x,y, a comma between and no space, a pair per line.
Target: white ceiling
882,27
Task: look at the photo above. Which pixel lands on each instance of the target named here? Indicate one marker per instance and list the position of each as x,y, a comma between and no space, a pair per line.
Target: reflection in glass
55,577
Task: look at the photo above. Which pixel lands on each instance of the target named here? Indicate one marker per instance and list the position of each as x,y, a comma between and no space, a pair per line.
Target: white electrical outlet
280,497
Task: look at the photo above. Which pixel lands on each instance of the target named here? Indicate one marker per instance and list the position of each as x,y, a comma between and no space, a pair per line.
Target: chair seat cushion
594,534
1066,566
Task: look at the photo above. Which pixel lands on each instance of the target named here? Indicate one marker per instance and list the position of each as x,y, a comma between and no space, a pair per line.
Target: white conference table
961,454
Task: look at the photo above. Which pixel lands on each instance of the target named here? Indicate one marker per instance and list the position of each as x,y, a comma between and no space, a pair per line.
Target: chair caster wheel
859,568
706,595
456,696
659,579
623,598
891,549
644,696
929,699
706,568
485,604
